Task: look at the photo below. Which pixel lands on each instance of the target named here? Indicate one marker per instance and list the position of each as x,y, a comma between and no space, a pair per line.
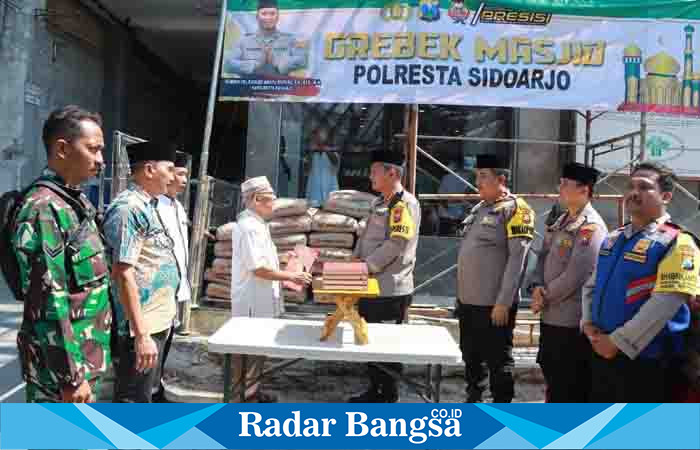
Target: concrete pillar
114,95
16,34
538,165
262,146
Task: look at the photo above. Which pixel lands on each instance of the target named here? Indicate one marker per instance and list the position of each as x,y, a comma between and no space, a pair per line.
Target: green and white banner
600,55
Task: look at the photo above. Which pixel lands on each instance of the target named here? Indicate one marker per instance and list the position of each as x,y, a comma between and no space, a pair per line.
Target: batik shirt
65,333
135,235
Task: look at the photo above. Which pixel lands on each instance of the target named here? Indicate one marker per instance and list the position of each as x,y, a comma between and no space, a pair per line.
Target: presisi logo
498,15
396,10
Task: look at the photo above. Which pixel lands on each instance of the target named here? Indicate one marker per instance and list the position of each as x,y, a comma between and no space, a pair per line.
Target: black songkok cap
581,173
267,4
490,161
181,159
394,157
150,151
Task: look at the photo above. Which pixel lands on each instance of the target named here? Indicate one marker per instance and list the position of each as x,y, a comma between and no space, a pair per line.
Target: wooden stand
345,302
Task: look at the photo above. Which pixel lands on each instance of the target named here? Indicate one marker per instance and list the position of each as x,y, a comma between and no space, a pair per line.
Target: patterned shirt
65,333
135,235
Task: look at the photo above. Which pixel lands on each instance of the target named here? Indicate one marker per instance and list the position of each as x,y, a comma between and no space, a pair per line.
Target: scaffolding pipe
483,139
643,136
198,244
587,157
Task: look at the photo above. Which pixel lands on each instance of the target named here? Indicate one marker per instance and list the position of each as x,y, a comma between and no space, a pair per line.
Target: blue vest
625,279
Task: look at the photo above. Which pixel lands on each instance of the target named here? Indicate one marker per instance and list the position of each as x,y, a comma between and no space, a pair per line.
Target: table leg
243,385
438,382
359,325
228,378
429,382
331,323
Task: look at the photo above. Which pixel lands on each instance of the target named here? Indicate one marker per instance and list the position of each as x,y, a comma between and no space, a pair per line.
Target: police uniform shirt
389,243
637,333
567,259
492,257
248,57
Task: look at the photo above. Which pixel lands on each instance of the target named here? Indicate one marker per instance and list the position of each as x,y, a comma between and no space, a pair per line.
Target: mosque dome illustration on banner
661,90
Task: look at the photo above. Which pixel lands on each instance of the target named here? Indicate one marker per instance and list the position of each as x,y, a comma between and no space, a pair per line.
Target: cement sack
350,203
295,297
334,255
223,249
216,290
221,278
291,225
221,266
288,207
333,223
291,239
338,240
224,232
349,194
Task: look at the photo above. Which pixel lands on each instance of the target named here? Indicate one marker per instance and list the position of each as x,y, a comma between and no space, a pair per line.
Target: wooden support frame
410,144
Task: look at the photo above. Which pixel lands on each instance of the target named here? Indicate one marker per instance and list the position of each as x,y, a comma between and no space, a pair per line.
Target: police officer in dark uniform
491,263
388,246
564,264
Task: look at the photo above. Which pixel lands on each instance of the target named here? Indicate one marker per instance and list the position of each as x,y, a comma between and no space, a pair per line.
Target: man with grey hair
388,246
256,274
491,263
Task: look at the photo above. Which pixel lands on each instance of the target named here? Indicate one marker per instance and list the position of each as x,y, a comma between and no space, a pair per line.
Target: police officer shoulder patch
522,224
678,271
401,223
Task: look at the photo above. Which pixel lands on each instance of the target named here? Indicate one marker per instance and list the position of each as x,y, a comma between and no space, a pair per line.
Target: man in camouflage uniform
64,339
491,263
268,52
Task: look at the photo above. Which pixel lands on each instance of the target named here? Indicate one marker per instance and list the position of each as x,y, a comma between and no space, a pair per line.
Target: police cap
396,158
581,173
490,161
150,151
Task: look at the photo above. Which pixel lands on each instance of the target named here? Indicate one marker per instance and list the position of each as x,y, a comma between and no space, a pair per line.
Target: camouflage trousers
51,394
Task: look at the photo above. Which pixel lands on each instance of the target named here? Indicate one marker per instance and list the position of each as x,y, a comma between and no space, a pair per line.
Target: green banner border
628,9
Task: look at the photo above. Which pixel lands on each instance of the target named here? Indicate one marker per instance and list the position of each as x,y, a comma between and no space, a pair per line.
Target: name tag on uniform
629,256
488,220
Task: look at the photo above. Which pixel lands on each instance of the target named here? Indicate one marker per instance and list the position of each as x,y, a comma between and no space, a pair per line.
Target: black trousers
565,359
132,386
624,380
485,346
392,310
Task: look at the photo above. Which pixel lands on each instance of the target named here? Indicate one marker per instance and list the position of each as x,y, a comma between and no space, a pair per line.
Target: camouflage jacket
65,333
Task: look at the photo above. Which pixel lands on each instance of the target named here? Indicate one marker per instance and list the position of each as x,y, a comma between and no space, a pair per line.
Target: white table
299,339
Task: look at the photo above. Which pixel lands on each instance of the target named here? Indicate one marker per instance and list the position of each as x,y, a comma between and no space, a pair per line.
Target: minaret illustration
688,67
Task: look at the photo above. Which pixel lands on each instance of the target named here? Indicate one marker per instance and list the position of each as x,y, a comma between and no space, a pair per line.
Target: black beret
181,159
150,151
396,158
581,173
267,4
490,161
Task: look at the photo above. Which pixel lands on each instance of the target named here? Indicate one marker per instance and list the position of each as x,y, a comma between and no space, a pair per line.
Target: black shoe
371,396
390,396
263,397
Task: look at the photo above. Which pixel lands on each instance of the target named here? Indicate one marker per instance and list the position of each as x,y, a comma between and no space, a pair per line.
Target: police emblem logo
458,12
429,10
687,257
526,215
397,214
